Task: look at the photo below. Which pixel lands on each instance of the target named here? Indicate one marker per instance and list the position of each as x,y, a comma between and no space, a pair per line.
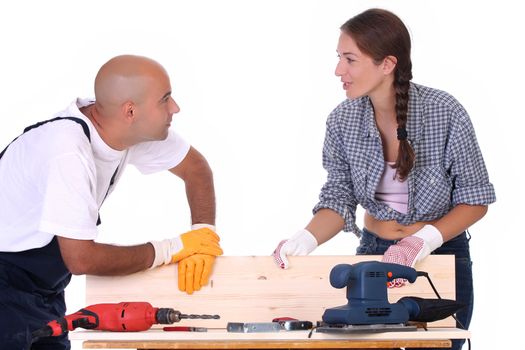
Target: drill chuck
167,315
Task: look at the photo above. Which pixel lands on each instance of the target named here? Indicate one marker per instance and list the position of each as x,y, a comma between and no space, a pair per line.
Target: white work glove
197,241
412,249
302,243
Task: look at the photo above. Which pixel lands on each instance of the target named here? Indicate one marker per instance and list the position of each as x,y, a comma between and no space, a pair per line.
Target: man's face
154,114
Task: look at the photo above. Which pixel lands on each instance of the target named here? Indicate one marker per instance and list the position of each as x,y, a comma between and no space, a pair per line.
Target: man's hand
194,272
302,243
412,249
200,241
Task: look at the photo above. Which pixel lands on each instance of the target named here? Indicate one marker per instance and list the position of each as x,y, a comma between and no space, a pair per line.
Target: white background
255,82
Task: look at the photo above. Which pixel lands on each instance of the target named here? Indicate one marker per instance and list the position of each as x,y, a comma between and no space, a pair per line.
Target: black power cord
311,331
461,326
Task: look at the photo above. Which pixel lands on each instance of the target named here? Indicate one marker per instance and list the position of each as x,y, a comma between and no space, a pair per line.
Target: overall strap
86,132
75,119
40,270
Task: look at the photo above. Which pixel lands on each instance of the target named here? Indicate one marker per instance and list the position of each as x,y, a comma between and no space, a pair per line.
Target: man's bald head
126,78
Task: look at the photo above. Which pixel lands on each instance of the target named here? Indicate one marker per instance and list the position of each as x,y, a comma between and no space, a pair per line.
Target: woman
406,153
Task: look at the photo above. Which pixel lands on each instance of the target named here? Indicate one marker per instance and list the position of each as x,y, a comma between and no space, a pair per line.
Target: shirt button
389,210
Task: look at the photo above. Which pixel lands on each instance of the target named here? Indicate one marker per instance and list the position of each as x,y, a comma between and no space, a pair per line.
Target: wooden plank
253,289
157,339
288,336
340,344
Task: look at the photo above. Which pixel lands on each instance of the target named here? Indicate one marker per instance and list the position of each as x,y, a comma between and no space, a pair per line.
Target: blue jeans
459,247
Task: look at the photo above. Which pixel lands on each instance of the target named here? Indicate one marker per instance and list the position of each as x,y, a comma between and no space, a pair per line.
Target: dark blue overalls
32,284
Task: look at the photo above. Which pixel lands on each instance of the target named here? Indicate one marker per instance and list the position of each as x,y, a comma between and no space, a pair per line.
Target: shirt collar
369,123
415,119
101,150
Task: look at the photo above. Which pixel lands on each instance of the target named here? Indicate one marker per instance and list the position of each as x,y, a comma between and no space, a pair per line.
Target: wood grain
220,339
289,336
254,289
340,344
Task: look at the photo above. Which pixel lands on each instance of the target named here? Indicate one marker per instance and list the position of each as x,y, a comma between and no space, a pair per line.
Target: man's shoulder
55,138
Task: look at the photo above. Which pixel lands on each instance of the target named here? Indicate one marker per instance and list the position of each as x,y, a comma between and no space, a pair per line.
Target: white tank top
391,191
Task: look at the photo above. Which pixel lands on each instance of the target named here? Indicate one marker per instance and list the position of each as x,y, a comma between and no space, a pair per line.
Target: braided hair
379,33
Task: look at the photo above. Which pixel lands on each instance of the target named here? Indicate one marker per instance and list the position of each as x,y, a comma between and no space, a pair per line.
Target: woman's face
361,76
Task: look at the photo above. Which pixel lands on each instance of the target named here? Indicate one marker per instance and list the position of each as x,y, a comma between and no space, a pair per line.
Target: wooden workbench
253,289
220,339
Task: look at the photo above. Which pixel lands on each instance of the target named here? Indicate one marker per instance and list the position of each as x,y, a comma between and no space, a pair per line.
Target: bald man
56,175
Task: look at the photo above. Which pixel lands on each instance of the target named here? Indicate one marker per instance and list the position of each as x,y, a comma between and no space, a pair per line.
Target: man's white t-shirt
53,180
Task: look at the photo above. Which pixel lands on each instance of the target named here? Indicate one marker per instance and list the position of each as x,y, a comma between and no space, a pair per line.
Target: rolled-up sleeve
337,193
469,174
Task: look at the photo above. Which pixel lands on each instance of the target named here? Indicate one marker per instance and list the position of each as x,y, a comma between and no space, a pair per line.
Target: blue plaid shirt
448,169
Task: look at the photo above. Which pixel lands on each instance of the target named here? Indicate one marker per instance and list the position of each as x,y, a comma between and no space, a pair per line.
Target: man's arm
197,175
88,257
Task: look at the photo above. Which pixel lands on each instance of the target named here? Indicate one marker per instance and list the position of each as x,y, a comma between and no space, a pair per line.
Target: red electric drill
121,317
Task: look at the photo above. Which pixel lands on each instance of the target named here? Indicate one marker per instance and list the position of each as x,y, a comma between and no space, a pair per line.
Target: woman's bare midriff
392,230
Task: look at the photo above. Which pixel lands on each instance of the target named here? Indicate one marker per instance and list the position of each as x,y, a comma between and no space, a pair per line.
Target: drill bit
204,316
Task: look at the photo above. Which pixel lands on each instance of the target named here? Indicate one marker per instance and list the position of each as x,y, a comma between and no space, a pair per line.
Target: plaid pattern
405,252
448,170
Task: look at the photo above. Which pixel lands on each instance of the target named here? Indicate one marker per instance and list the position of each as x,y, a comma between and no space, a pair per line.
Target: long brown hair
379,33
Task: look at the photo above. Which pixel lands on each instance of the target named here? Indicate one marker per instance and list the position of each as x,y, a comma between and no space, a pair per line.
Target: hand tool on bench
277,325
253,327
368,309
293,324
121,317
184,329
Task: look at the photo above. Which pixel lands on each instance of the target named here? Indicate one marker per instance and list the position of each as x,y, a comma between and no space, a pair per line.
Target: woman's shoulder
432,96
440,104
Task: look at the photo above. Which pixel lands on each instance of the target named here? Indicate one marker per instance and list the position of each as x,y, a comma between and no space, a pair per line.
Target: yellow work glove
200,241
194,272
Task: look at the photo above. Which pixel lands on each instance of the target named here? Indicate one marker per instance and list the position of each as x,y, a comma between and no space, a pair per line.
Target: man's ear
389,64
128,110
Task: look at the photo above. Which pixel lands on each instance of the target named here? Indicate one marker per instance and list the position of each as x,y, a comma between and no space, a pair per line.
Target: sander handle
394,271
